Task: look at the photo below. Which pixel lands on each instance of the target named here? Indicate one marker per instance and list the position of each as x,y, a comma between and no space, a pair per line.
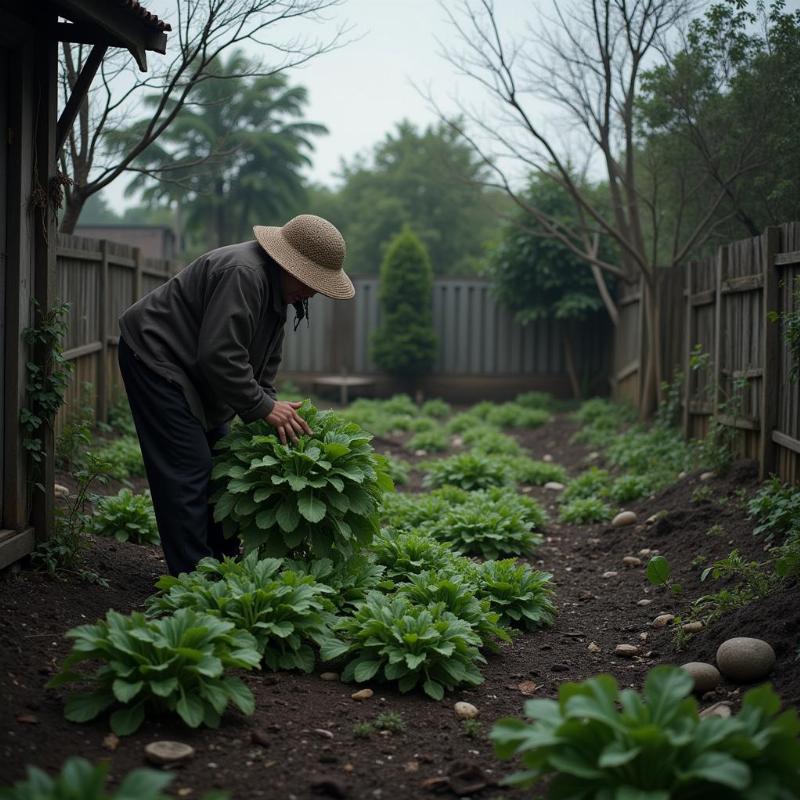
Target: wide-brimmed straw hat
311,249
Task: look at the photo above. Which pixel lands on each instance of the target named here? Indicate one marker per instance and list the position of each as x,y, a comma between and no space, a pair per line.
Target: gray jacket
216,330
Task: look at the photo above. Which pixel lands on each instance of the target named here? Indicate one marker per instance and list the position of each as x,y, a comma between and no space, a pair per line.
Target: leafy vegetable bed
425,741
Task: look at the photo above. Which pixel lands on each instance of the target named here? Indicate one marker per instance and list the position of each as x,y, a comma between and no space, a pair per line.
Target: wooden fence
716,330
481,353
99,280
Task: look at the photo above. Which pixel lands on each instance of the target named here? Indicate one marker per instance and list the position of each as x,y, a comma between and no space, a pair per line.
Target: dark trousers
177,458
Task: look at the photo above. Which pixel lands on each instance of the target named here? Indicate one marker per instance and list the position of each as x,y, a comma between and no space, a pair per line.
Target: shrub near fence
99,280
716,329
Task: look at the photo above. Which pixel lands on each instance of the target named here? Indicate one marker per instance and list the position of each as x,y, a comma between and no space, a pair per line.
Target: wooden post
44,257
137,274
643,353
721,272
770,353
687,345
101,375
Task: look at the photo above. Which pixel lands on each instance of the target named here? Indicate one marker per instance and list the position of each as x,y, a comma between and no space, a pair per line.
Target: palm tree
233,156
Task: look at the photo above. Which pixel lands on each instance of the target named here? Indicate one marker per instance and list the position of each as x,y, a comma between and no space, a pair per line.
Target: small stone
554,486
261,738
362,694
184,791
328,787
721,709
745,660
705,676
420,453
632,561
645,552
693,627
593,456
411,766
348,768
457,441
626,650
547,457
707,476
662,620
111,742
28,719
643,602
682,474
465,710
323,733
560,668
624,518
166,752
329,676
528,688
593,647
609,574
60,491
643,636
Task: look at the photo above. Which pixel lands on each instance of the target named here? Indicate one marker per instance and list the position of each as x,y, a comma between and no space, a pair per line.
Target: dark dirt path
293,759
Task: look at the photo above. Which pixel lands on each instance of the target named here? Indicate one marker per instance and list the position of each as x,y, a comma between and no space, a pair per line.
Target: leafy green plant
594,482
47,378
120,418
126,517
787,558
596,741
776,508
465,421
467,471
405,344
363,730
350,581
433,441
541,400
435,407
175,664
406,553
80,780
62,553
123,456
627,488
283,611
489,523
523,597
319,497
584,511
389,721
752,581
75,439
411,510
471,728
397,640
529,472
602,421
659,573
512,415
790,322
398,470
458,595
702,494
489,440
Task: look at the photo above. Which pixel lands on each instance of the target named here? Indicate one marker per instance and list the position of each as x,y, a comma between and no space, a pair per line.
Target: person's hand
285,419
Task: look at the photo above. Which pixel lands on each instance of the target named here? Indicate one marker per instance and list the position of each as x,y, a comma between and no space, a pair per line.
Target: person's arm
228,326
267,378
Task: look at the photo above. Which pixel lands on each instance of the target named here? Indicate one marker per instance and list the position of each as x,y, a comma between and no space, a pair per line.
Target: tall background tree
537,277
426,178
589,64
203,32
404,344
230,159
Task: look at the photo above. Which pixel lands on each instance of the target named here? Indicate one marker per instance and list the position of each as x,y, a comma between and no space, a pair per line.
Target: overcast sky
363,89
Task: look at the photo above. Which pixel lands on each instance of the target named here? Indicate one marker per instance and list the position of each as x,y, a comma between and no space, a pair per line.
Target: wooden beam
83,350
743,283
784,259
81,33
784,440
705,298
78,94
770,354
741,423
15,545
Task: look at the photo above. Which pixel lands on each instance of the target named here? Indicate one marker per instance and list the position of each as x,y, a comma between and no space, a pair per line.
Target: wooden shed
33,131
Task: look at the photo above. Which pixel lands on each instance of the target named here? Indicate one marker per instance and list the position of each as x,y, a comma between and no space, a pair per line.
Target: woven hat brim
332,283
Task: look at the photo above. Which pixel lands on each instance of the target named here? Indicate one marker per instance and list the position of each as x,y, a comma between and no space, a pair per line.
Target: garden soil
300,741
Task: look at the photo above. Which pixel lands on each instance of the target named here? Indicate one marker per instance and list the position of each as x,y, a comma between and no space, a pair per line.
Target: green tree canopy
535,275
728,100
426,179
232,158
404,343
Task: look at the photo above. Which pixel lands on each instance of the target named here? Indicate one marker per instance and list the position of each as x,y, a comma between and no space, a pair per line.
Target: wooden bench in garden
344,383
